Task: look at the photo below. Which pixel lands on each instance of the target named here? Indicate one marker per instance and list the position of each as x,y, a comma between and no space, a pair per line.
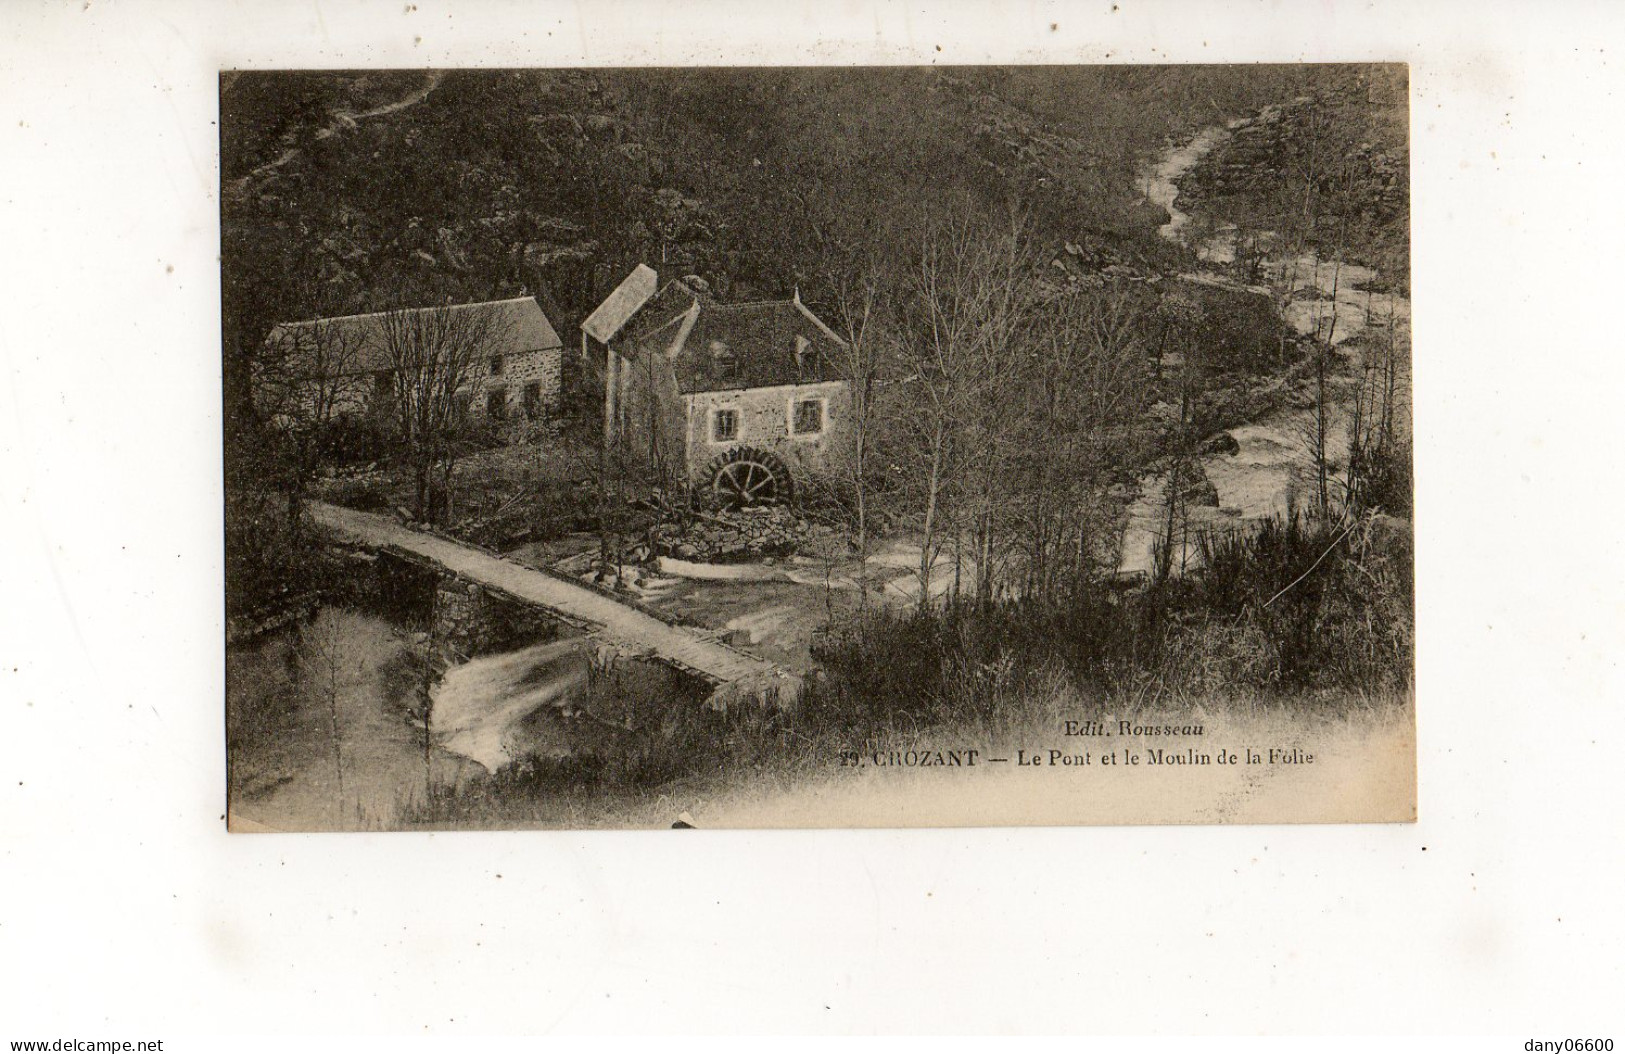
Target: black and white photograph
817,447
704,519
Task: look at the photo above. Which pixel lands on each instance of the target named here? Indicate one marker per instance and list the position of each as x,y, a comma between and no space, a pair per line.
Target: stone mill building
742,402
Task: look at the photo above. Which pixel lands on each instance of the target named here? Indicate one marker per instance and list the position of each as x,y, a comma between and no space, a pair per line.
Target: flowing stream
480,707
1271,465
321,733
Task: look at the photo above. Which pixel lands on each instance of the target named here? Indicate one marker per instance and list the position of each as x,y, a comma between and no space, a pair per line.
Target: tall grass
1289,607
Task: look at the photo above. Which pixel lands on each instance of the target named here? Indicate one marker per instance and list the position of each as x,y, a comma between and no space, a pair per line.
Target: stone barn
742,402
346,361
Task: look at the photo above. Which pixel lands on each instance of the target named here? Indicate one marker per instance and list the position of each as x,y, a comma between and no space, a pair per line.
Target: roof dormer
724,363
806,357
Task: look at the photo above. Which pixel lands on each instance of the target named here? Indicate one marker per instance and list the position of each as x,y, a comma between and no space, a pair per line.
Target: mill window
807,417
724,425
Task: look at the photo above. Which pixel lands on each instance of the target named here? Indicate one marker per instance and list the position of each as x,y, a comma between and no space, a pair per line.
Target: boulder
1163,412
1222,444
1201,492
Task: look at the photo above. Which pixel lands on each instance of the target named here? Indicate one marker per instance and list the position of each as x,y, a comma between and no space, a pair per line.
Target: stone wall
359,395
477,621
544,369
764,424
349,395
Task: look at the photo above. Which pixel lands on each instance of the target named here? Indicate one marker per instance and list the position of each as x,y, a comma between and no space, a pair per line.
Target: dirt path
341,121
616,623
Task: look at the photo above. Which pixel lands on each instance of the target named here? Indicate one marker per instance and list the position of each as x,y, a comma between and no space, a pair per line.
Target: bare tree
994,440
1306,163
1316,431
1343,186
325,662
433,354
632,496
1187,313
860,358
964,308
426,660
1084,399
309,376
1377,452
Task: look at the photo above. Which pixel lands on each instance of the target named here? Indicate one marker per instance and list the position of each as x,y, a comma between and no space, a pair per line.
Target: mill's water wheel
745,476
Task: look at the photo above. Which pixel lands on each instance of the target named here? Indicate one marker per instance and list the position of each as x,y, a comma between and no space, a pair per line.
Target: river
341,680
1269,470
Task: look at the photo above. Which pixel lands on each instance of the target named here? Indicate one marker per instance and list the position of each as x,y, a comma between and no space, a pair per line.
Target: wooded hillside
361,191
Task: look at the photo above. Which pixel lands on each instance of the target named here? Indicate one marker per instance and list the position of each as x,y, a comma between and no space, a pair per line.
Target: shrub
1291,609
352,440
1286,605
366,495
1384,476
268,555
1331,599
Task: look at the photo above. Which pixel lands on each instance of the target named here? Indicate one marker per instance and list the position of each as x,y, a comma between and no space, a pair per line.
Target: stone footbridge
735,676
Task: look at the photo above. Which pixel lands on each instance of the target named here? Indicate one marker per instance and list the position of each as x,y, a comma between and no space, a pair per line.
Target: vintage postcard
817,447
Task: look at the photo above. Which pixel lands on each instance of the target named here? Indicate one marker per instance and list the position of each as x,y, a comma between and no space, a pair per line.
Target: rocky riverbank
1350,160
1258,466
737,535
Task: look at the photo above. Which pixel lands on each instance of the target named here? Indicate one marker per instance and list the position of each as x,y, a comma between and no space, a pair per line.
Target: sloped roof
763,339
633,292
519,324
674,300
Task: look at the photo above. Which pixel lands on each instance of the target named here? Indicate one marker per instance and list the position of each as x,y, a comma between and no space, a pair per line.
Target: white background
127,912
